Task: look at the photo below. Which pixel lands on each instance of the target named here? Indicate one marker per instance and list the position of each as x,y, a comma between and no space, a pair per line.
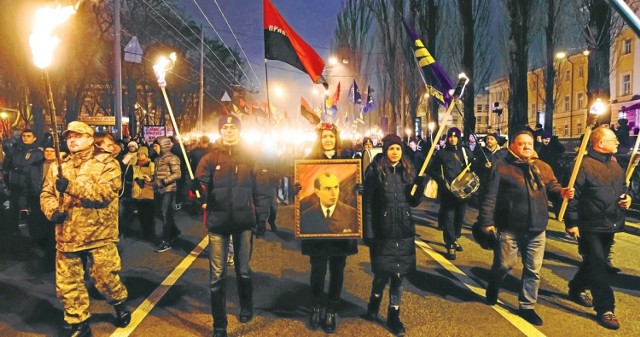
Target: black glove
296,188
260,229
194,185
61,184
58,217
359,188
158,184
140,182
420,180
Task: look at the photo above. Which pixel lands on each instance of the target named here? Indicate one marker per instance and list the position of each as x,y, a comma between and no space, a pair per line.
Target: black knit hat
455,131
389,140
229,119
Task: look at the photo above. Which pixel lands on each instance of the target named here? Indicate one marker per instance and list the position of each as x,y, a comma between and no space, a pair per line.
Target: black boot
219,309
123,315
329,324
394,323
316,314
80,330
245,291
451,252
373,307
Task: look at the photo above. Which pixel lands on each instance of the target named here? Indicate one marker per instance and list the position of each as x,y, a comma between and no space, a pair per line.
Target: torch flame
163,65
42,41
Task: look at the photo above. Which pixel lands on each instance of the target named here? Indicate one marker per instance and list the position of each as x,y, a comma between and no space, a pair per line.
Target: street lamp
563,56
408,132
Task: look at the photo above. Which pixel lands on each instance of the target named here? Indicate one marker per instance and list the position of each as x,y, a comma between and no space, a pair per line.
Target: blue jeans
380,280
531,247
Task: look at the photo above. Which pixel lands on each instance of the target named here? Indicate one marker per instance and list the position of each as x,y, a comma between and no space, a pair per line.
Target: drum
465,185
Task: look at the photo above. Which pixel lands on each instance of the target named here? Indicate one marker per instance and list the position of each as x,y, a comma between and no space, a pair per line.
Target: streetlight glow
333,60
560,55
598,107
278,91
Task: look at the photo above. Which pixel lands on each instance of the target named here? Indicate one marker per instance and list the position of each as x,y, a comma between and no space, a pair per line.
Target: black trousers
336,277
592,273
451,217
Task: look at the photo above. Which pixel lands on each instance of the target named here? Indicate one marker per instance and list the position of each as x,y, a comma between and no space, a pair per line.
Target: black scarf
533,176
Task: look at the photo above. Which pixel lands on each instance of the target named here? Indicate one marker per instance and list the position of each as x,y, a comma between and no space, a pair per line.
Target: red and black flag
282,43
307,112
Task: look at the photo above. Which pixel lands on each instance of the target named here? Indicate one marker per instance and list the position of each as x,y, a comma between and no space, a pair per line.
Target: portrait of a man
328,204
329,215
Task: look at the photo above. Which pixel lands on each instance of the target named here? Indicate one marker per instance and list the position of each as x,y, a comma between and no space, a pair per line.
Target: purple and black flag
354,94
370,103
437,81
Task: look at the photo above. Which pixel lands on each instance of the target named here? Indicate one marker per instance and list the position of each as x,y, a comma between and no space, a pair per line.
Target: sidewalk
430,209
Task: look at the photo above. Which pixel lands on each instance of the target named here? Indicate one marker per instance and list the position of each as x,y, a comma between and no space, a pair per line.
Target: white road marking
150,302
525,327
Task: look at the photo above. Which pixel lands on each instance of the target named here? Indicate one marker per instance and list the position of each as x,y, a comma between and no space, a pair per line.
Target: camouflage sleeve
103,188
49,197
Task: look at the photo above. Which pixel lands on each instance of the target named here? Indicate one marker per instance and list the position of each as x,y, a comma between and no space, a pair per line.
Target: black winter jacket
24,165
388,226
450,162
510,203
599,184
237,196
330,247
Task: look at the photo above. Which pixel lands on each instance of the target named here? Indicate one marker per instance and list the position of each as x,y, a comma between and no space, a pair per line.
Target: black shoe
613,270
123,315
220,333
314,319
394,323
175,236
163,247
492,294
457,246
581,298
245,315
609,320
80,330
530,316
373,307
451,252
329,322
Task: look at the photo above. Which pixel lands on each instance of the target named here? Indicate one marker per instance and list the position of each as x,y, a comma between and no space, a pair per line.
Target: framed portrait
328,205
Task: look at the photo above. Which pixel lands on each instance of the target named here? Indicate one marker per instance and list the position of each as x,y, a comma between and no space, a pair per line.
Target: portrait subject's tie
328,214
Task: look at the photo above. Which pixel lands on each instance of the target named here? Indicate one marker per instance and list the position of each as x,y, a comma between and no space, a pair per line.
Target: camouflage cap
78,127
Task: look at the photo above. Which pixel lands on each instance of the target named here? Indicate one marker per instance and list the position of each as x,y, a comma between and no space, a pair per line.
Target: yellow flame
163,65
42,40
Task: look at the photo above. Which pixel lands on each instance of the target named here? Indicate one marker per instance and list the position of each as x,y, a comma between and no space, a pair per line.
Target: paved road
169,290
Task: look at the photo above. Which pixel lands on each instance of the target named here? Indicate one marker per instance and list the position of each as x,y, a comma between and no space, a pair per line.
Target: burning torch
43,43
161,68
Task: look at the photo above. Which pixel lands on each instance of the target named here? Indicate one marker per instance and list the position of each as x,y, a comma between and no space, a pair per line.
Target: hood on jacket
165,144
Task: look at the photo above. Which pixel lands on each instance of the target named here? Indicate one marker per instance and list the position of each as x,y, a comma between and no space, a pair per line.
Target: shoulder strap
464,154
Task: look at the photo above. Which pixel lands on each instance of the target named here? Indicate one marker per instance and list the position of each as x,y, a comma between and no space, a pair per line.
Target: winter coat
24,166
90,201
509,201
236,188
599,184
140,169
167,165
388,227
330,247
450,162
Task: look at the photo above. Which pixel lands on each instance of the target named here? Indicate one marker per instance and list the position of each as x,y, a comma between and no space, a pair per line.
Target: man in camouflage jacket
83,206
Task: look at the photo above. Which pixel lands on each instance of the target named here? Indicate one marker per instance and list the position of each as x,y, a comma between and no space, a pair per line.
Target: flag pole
462,82
266,78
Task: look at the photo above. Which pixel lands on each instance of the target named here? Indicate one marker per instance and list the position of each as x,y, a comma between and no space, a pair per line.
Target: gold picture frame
328,185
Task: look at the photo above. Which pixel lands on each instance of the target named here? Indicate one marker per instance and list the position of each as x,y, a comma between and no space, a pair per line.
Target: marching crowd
78,211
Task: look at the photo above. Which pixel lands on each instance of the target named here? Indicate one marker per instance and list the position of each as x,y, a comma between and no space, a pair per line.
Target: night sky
314,21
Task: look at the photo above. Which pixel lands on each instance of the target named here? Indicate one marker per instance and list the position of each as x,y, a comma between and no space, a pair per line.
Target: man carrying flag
282,43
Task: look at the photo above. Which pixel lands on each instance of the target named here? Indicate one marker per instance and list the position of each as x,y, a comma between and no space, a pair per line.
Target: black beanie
389,140
229,119
455,131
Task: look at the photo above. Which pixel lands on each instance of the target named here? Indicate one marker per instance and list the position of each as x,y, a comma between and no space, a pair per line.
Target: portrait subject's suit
343,220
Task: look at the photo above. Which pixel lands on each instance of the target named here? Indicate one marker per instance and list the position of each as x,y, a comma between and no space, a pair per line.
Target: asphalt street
169,291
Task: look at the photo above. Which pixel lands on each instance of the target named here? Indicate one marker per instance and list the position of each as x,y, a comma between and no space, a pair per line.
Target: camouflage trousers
103,264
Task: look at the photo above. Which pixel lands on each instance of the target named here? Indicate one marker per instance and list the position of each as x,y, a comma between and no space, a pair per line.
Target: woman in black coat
388,229
321,252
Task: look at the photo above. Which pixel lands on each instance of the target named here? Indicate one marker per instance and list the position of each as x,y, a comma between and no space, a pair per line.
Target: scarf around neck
533,176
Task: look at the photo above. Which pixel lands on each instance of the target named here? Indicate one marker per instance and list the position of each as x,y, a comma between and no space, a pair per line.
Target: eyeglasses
610,140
